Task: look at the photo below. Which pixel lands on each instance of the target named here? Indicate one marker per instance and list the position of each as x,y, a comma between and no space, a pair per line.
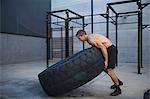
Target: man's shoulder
96,34
90,36
93,35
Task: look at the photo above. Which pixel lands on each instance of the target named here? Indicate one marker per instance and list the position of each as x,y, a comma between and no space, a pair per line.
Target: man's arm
104,52
103,49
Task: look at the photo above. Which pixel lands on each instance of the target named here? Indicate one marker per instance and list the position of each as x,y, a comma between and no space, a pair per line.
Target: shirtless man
109,52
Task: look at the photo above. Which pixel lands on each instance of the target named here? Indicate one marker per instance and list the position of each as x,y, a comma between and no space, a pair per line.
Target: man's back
99,38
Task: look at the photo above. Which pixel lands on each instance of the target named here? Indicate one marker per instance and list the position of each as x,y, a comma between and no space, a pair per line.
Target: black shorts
112,54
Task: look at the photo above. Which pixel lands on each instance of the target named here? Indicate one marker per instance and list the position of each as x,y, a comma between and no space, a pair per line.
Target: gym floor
21,81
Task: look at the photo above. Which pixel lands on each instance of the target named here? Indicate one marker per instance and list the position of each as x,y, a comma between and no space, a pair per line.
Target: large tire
72,72
147,94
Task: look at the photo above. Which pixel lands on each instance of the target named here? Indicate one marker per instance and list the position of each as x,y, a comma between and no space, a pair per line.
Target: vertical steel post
48,21
62,43
139,36
50,5
47,43
83,29
116,38
107,19
67,34
72,40
92,16
72,43
51,41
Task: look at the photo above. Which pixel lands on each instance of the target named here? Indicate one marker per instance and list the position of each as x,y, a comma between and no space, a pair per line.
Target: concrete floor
21,81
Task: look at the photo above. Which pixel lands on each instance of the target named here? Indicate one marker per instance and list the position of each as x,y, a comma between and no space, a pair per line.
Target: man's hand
105,64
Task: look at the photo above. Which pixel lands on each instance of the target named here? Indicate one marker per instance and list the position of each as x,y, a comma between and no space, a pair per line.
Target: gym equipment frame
66,19
140,24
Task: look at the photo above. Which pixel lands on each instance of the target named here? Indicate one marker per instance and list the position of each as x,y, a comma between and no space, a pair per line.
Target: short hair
81,32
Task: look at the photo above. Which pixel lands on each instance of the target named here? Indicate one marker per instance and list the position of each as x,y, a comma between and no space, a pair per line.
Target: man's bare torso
99,38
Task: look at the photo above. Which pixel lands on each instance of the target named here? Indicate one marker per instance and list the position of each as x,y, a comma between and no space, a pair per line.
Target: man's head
81,34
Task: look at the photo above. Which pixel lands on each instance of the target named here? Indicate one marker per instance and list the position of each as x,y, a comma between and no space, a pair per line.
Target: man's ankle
116,92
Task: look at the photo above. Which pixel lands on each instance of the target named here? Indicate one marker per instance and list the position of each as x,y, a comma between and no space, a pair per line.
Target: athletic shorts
112,54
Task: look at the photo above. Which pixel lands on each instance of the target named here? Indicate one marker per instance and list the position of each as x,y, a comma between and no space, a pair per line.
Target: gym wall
16,49
26,18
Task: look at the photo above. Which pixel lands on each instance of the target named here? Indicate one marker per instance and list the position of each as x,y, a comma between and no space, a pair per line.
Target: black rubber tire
72,72
147,94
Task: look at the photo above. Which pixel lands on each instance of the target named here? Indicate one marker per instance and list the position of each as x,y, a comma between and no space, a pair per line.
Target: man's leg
114,78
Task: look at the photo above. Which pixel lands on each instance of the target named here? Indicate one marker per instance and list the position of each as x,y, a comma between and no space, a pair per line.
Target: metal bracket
144,5
145,26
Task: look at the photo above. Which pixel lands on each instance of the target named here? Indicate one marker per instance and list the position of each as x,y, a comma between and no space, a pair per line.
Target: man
109,52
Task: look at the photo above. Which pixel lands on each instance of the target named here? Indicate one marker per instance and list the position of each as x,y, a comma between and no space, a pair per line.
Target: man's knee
109,70
106,70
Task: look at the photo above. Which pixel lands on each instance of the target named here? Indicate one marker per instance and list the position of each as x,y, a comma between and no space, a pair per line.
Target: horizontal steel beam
76,22
99,22
57,11
134,14
127,23
58,24
58,16
74,13
127,12
122,2
104,15
74,18
64,22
